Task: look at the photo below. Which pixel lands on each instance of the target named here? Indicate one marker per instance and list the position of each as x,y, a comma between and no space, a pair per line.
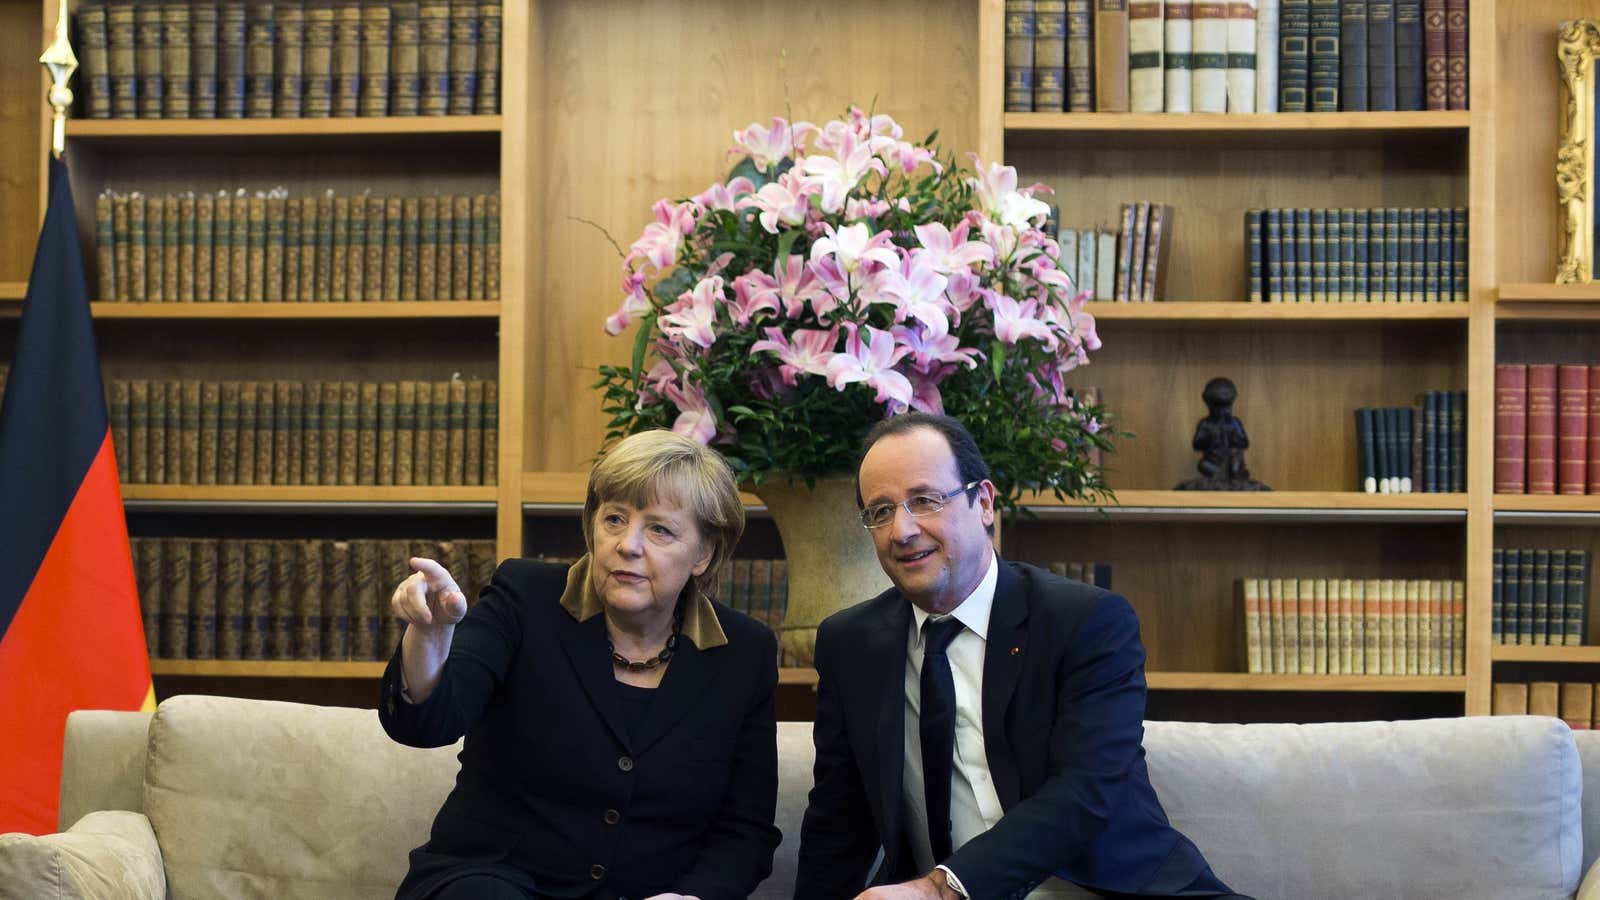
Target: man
980,722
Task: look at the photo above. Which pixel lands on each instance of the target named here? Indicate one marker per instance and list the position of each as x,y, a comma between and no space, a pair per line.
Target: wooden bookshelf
286,493
1308,313
1540,292
1265,126
1547,503
13,290
432,309
94,130
258,668
1502,653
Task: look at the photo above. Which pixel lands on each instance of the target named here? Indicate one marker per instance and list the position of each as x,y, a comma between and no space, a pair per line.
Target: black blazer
1063,721
553,788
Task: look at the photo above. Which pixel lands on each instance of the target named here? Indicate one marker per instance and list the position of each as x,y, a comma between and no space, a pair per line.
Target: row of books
204,59
204,598
1243,56
1546,428
1388,255
1573,702
1129,265
1353,626
1540,597
191,431
274,248
1414,449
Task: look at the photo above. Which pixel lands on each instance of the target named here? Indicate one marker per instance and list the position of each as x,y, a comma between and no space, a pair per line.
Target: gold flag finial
59,60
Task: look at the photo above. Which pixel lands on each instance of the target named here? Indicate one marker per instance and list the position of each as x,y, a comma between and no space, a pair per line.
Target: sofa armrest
1590,888
107,855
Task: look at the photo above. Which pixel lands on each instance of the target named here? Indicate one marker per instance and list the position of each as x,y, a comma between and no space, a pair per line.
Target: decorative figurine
1221,441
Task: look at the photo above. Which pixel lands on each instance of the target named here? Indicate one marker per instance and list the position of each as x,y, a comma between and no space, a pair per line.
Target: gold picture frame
1577,45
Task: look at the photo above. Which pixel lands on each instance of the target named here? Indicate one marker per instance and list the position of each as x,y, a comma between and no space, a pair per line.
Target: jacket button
597,871
612,817
625,764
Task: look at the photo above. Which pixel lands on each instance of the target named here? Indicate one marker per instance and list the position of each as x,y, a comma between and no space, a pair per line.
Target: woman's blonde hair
652,466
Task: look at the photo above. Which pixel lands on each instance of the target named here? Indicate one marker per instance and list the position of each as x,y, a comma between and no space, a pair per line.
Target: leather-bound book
439,443
1509,699
177,562
281,619
311,433
1554,633
405,430
259,47
332,426
427,248
232,628
422,441
1455,47
308,593
244,233
148,580
147,31
228,432
1576,629
120,52
491,432
391,249
1380,56
325,265
210,430
95,73
1241,56
349,431
457,413
288,64
1294,56
203,22
376,227
266,426
1542,429
388,399
188,233
276,244
158,433
257,600
356,259
1158,251
105,247
119,406
282,437
1572,429
491,251
221,248
306,281
120,234
337,598
346,57
189,431
292,244
317,65
365,596
479,241
1433,55
233,25
489,29
155,245
256,257
176,44
137,249
248,394
405,72
295,418
463,57
472,454
1050,55
374,59
461,248
444,258
1408,55
409,241
1592,445
203,625
171,247
433,30
1353,66
1021,42
367,434
339,260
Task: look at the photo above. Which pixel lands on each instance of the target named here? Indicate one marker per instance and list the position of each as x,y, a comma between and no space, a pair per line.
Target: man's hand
931,886
672,897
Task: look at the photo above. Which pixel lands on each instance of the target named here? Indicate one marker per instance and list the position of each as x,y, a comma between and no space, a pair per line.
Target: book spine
1430,278
347,57
374,60
1575,634
1347,255
373,287
221,249
1111,50
203,625
177,563
121,44
1391,255
405,430
308,594
1146,48
311,433
105,247
338,597
1592,446
367,433
1325,53
1542,416
260,40
1554,633
1455,43
1538,634
349,431
461,248
473,429
405,73
478,243
1210,59
1497,610
1294,56
256,257
1353,65
232,39
434,55
148,26
366,602
1242,56
209,428
1049,56
203,60
1572,437
439,441
245,468
1380,56
1178,64
409,247
188,432
1080,55
148,578
232,630
343,207
278,446
288,69
491,432
155,243
1408,58
93,50
176,44
239,281
293,243
463,57
266,422
491,252
1434,92
388,402
325,263
228,432
276,244
392,211
1267,49
255,599
188,248
317,68
1319,256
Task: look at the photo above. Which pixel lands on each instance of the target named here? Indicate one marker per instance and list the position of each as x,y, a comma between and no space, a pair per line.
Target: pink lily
767,147
963,290
852,245
809,353
950,250
694,316
836,176
751,296
782,202
725,196
1014,321
634,303
871,362
796,285
661,239
915,289
695,418
931,348
925,396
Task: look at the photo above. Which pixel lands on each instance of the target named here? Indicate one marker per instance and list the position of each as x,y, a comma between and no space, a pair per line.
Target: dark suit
1063,720
555,793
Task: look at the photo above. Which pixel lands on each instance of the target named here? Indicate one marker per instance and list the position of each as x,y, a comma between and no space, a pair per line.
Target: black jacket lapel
1006,649
683,685
886,656
585,645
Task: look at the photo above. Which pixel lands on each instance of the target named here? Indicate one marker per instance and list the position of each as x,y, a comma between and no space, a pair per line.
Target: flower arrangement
840,275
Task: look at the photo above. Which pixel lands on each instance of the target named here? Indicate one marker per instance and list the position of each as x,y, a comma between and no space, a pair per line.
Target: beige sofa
225,798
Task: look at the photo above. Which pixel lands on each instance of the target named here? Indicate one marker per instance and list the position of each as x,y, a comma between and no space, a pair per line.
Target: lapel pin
1015,650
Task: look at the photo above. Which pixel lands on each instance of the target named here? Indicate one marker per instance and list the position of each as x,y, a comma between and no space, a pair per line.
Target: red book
1435,82
1542,428
1593,462
1455,48
1572,449
1510,428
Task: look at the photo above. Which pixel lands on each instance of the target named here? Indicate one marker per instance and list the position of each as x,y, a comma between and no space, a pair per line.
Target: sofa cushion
1484,807
107,855
102,762
1589,758
254,798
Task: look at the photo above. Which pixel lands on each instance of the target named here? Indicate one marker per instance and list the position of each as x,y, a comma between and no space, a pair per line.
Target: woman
620,727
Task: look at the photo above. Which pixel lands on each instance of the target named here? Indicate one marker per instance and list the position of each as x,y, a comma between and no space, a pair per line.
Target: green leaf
641,343
997,358
785,244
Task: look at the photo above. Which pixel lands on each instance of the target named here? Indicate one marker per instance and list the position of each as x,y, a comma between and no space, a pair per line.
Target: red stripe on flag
76,643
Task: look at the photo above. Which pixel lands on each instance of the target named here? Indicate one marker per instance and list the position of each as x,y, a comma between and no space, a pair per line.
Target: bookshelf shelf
1543,292
1241,311
13,290
1255,125
1560,504
564,492
1320,506
1240,681
329,494
258,668
117,129
1546,654
434,309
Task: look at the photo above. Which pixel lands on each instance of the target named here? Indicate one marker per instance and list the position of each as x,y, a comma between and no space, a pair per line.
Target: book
288,65
338,595
148,27
456,416
1544,698
292,244
1049,56
349,430
231,625
1455,43
1178,60
276,244
188,437
119,409
158,433
346,58
1577,705
463,57
1146,51
93,53
310,230
1080,56
1294,55
256,256
1542,428
317,64
374,59
1157,252
266,421
388,400
433,30
367,601
472,455
261,618
1509,699
367,433
491,432
1408,55
439,447
210,428
155,243
1592,445
461,248
444,259
105,244
1353,64
1433,53
1241,56
149,581
121,234
1267,49
356,251
121,41
177,563
228,432
176,44
308,593
427,248
232,38
1572,428
331,443
203,610
392,211
375,230
405,431
1575,629
1209,31
1380,56
405,73
422,439
1111,47
259,44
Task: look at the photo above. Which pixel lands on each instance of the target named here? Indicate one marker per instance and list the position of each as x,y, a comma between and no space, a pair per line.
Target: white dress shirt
974,802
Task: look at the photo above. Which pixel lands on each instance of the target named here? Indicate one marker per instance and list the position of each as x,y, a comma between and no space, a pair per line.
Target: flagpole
59,60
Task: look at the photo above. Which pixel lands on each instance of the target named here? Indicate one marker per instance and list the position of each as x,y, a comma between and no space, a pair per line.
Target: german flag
70,633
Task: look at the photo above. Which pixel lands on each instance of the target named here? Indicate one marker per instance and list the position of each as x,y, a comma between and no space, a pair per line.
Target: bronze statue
1221,441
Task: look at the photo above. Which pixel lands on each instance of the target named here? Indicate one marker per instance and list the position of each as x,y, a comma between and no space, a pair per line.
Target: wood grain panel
22,92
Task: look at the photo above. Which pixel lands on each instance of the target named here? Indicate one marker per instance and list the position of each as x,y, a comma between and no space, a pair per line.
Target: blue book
1430,255
1320,257
1458,441
1366,453
1302,254
1555,633
1408,60
1458,256
1391,254
1539,619
1430,442
1347,255
1274,251
1511,597
1403,446
1288,268
1252,255
1497,598
1577,627
1525,597
1360,287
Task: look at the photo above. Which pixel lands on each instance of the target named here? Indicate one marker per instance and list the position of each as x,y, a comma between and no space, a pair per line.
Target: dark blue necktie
937,726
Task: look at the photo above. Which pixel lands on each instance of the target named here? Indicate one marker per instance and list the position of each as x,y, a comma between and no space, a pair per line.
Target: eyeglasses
881,514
